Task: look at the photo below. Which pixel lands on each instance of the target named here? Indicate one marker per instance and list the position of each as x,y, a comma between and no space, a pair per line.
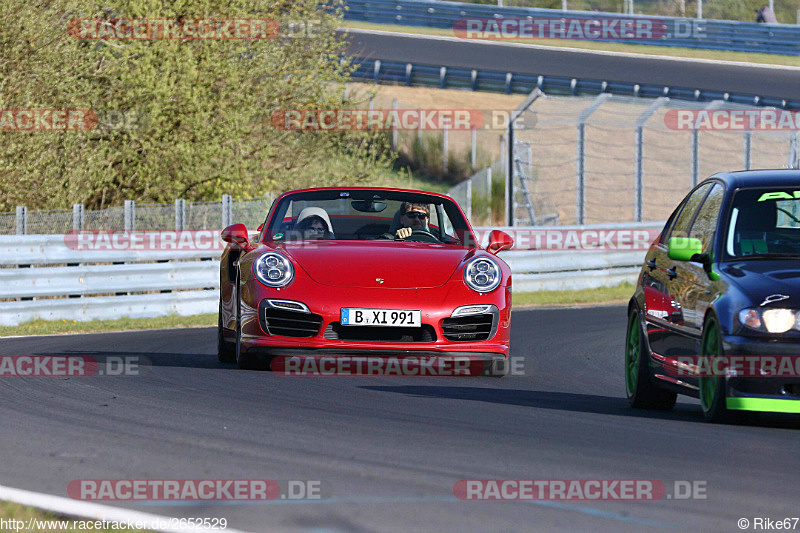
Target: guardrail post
77,216
640,121
180,214
747,145
130,215
580,186
376,69
22,220
227,210
442,77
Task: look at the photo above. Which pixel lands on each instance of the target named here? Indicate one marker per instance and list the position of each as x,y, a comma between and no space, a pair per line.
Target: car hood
401,265
765,282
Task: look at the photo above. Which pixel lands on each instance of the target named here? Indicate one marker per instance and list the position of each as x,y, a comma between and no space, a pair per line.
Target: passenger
313,223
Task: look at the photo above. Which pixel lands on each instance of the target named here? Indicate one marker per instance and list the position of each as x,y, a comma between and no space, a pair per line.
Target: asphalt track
391,449
456,53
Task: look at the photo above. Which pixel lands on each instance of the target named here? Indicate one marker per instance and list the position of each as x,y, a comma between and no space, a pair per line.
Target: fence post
77,216
695,157
22,220
474,157
747,145
227,210
580,186
489,193
445,136
395,131
180,214
699,9
794,151
640,121
130,215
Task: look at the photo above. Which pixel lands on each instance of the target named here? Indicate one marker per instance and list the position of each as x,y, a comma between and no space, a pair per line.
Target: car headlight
770,320
482,275
273,269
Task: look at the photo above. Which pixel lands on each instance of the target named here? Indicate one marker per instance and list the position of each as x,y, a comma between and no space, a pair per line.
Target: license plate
408,318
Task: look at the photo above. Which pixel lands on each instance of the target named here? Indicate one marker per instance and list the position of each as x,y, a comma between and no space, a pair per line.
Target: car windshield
764,223
368,215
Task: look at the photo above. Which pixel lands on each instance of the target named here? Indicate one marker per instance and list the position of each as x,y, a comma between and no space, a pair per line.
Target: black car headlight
273,269
482,275
770,320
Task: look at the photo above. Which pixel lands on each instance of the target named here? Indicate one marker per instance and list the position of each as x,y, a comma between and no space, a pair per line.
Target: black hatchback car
716,312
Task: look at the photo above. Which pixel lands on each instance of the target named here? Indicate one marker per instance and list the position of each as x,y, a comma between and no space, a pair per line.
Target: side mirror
684,248
499,241
237,236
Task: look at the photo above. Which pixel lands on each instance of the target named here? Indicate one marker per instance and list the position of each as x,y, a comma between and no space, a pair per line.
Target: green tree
176,118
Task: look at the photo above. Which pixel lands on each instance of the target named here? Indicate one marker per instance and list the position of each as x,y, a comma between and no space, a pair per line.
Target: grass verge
44,522
603,295
720,55
46,327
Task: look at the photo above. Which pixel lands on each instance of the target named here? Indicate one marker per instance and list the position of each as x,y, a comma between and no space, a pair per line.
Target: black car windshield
764,223
368,215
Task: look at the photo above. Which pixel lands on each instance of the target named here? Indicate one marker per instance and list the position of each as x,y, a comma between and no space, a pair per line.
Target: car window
690,206
706,221
764,222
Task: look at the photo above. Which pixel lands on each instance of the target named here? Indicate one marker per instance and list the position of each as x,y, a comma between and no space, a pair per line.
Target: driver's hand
402,233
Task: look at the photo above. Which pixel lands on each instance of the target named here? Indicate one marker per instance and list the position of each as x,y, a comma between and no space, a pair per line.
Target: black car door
669,337
690,287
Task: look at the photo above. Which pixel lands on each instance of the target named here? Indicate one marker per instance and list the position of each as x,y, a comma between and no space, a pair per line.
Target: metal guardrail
733,36
414,74
159,283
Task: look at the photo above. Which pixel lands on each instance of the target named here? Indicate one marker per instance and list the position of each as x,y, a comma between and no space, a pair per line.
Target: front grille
336,331
468,328
290,323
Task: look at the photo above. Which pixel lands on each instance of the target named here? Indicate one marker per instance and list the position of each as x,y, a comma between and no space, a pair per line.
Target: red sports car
364,272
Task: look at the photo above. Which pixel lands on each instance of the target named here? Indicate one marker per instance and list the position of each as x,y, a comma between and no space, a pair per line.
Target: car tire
243,360
713,389
641,391
225,349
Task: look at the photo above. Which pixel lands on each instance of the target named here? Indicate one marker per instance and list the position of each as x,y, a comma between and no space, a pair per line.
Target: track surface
392,448
756,80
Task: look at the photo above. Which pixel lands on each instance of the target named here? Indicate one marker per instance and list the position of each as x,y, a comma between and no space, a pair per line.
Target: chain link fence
611,159
180,215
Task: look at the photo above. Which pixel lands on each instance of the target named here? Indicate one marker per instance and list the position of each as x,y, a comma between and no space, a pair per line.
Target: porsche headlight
273,269
482,275
770,320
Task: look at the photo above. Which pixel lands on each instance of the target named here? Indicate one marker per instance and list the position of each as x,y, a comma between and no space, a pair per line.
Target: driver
414,217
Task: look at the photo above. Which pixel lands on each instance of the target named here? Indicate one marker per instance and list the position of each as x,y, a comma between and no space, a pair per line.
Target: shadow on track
579,403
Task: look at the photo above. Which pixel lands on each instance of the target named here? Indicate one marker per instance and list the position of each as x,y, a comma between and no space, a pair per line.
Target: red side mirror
237,236
499,241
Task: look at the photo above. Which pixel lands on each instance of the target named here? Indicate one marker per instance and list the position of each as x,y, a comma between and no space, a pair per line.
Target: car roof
760,178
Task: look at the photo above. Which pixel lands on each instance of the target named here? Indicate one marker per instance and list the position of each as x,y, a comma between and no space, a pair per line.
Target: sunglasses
312,229
416,214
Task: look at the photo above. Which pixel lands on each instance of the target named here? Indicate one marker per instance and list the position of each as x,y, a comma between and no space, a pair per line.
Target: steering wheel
422,236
